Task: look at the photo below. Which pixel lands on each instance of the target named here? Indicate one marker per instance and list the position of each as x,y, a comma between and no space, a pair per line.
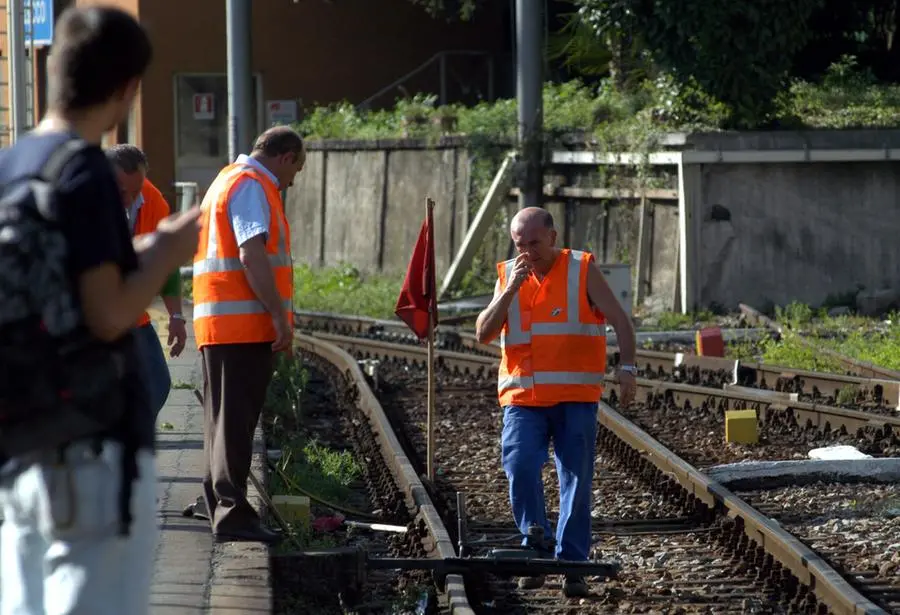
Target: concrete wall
760,232
364,203
798,231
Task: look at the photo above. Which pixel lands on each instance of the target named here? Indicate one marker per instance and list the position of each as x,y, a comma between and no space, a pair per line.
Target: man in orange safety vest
550,308
145,206
243,290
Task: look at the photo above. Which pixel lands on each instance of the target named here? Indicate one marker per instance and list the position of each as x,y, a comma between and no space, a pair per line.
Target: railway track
392,483
297,591
779,414
685,542
868,393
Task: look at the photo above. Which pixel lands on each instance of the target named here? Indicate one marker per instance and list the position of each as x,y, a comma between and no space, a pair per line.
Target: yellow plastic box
292,508
741,426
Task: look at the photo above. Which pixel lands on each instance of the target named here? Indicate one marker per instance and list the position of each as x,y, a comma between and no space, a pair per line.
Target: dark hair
96,51
278,141
127,157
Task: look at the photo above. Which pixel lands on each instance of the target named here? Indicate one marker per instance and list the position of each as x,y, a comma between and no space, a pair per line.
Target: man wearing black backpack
78,480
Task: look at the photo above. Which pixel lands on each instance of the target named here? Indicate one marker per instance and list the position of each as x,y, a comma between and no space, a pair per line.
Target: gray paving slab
194,574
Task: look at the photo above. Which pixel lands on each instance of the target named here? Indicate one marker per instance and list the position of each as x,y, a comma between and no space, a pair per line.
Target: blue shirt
248,207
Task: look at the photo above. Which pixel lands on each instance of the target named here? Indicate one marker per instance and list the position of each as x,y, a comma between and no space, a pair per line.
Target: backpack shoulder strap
58,159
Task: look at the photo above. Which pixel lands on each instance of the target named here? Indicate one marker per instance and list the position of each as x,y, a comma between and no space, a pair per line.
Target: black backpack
58,383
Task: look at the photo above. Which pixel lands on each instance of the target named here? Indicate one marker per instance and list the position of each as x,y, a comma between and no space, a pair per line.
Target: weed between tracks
866,339
328,453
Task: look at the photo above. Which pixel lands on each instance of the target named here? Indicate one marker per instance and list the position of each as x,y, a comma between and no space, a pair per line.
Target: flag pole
429,207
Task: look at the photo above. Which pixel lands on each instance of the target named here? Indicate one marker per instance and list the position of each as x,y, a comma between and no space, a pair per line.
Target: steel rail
397,460
769,405
777,377
810,569
343,322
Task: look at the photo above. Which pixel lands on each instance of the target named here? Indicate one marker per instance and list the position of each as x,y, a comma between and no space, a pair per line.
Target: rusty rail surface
854,366
769,405
345,323
402,469
776,377
876,380
810,569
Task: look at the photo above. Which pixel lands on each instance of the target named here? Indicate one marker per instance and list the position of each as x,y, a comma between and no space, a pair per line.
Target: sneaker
532,582
575,587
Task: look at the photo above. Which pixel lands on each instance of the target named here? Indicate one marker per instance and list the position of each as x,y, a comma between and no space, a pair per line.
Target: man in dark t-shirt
95,230
62,548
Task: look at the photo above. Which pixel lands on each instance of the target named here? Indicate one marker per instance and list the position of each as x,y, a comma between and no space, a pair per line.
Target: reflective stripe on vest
518,382
226,310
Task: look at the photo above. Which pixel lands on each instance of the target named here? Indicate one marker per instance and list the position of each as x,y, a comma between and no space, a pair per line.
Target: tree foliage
450,9
739,53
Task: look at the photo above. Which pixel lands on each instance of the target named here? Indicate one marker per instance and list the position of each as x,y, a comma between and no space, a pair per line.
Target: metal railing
440,58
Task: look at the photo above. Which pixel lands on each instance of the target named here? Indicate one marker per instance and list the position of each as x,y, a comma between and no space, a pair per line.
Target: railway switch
348,567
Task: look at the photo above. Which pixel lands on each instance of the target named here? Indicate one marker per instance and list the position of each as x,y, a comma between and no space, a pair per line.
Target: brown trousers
235,380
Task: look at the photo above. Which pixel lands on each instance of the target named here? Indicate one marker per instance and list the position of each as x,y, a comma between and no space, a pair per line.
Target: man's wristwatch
631,369
177,316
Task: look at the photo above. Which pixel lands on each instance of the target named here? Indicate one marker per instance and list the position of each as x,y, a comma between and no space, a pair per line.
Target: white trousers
60,551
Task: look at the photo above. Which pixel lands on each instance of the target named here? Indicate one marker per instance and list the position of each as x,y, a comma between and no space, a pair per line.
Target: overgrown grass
879,347
845,97
790,353
672,321
345,290
325,472
859,337
307,466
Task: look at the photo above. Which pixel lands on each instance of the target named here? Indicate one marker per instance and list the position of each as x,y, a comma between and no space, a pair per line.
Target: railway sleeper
782,587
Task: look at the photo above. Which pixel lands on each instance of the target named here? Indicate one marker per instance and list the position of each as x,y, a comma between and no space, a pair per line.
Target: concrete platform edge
241,579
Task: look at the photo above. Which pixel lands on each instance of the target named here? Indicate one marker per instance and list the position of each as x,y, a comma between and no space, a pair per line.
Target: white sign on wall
281,112
204,106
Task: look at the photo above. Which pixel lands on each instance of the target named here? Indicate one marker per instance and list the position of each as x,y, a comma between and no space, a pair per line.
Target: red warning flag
418,297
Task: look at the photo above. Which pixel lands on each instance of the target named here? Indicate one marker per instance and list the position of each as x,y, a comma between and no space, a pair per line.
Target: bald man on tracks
550,309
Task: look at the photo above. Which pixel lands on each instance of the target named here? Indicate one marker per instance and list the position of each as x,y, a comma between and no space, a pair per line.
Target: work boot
532,582
197,509
575,587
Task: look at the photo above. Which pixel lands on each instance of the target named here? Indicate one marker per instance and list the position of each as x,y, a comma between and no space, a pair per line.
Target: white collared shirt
248,207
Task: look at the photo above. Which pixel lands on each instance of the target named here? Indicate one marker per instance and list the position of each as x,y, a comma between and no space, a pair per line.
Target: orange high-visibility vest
152,210
553,342
226,310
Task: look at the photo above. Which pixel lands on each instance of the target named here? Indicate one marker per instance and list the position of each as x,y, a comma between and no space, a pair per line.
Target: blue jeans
156,371
525,444
60,551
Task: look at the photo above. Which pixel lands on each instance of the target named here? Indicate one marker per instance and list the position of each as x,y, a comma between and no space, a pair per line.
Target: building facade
304,52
